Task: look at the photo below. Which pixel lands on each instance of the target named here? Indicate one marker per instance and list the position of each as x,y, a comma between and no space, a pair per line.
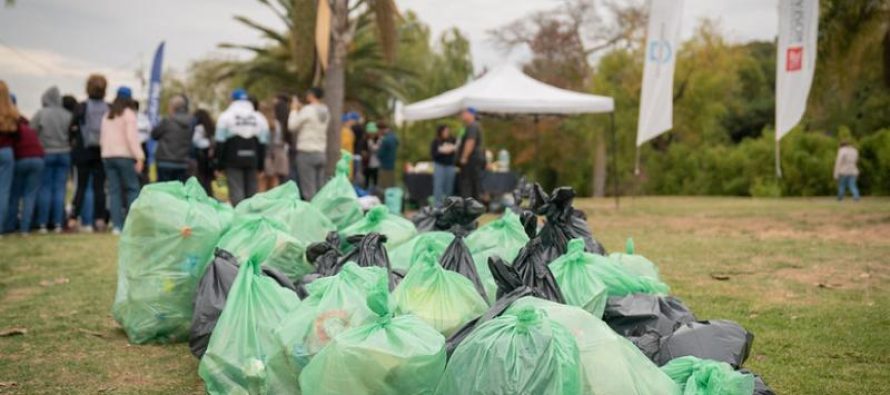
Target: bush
874,163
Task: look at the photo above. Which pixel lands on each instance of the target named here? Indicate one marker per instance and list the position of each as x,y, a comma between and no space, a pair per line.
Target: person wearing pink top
122,156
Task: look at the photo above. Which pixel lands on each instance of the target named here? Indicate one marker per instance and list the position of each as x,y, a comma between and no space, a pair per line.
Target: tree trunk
335,78
599,165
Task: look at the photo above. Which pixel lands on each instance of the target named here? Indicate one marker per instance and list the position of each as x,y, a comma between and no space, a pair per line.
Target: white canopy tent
507,90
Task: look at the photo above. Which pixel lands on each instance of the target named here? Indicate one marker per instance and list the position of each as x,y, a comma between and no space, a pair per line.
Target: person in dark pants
86,154
371,162
471,156
389,146
174,136
202,141
241,136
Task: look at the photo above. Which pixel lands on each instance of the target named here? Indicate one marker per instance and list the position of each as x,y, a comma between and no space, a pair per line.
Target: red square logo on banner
794,59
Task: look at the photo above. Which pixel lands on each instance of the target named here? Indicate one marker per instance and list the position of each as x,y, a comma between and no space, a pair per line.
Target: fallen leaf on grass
864,275
824,285
91,333
104,389
50,283
8,384
720,277
13,332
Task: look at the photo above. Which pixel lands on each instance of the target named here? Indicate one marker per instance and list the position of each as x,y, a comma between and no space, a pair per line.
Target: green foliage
874,154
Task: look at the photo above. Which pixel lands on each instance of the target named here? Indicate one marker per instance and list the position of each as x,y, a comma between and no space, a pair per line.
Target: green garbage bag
435,242
444,299
523,352
168,240
337,199
636,264
576,275
237,357
503,237
397,230
610,364
619,280
283,203
268,240
706,377
335,304
391,356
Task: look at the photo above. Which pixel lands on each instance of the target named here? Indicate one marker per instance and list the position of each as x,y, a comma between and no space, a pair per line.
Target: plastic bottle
504,160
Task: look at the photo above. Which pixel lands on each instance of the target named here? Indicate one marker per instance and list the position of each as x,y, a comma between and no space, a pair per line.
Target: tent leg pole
537,145
614,161
778,161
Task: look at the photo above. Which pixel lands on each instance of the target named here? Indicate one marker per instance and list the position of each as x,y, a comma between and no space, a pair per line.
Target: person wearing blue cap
87,157
471,156
241,137
122,156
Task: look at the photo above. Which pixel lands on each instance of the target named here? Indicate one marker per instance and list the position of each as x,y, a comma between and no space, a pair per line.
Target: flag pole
778,160
614,161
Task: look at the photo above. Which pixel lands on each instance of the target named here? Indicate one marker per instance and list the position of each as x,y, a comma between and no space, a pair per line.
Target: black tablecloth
419,186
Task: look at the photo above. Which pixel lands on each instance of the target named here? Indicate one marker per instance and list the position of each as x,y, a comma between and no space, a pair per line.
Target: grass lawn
809,277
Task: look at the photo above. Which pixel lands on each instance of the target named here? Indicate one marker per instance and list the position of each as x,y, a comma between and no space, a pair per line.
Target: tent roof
507,90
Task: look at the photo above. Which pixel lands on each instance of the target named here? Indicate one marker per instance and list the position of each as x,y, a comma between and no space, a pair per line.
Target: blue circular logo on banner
660,51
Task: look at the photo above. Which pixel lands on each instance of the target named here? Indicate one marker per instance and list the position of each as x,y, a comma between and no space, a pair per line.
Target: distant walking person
471,156
122,156
443,151
86,155
241,136
202,141
174,136
846,171
371,163
310,124
26,181
10,123
51,123
389,146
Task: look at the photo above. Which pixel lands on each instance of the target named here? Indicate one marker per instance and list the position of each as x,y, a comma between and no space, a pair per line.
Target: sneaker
101,226
24,234
116,231
86,229
42,230
57,229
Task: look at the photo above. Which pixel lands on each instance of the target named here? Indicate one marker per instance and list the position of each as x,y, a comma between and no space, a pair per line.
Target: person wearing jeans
846,171
310,124
174,137
10,121
122,156
52,124
26,180
443,151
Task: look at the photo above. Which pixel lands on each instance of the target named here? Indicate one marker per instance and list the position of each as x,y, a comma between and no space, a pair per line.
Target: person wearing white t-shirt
310,125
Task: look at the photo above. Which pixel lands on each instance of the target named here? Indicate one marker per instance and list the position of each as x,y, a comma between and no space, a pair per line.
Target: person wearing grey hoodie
174,137
51,123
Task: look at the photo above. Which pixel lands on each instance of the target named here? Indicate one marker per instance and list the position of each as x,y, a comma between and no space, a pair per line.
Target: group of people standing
450,153
103,148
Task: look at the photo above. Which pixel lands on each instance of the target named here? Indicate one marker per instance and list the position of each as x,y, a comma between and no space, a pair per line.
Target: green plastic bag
167,242
503,237
610,363
392,356
619,281
270,242
435,242
397,230
522,352
283,203
444,299
577,278
337,199
706,377
238,355
636,264
335,304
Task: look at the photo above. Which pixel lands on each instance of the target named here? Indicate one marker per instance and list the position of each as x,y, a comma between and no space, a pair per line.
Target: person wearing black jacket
241,137
174,137
86,154
443,151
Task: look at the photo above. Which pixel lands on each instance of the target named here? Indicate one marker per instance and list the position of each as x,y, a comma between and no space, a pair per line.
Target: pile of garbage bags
282,296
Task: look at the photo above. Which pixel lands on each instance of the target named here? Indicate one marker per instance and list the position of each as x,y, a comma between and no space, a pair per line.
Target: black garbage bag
425,219
457,258
564,223
498,308
210,298
531,265
460,215
638,314
370,251
760,386
324,256
649,343
718,340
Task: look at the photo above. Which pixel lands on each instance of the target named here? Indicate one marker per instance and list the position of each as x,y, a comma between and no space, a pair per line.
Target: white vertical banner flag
796,61
657,97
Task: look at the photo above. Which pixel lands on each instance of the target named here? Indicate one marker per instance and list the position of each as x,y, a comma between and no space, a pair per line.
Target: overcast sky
46,42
